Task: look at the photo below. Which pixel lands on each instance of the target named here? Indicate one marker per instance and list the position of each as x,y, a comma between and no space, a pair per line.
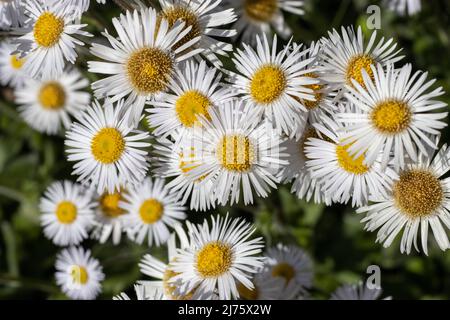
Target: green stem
28,283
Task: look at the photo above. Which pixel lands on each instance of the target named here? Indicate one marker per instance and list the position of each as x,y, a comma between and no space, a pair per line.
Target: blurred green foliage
333,236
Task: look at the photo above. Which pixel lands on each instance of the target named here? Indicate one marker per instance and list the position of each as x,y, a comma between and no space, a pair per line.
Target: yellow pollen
48,29
52,96
260,10
418,193
214,259
151,211
316,91
79,275
16,62
348,163
267,84
246,293
109,204
284,270
108,145
190,105
235,153
392,116
149,70
170,288
66,212
355,67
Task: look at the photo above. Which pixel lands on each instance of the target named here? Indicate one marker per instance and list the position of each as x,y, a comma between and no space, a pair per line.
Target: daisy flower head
77,7
261,16
141,61
346,55
274,83
193,91
343,176
266,287
107,151
175,160
418,198
358,291
206,19
67,213
50,38
11,14
11,65
142,293
152,209
79,274
219,256
395,115
402,7
48,105
238,152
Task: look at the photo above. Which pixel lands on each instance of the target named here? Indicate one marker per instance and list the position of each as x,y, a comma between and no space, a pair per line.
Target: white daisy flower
402,7
194,89
47,105
142,293
292,264
175,160
418,197
261,16
206,21
142,60
107,151
77,7
79,274
218,258
11,66
341,176
67,213
109,218
274,84
357,292
265,287
395,114
152,211
238,152
345,56
11,14
49,38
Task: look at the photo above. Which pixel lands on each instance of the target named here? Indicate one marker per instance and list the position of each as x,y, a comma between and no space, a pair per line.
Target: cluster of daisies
171,128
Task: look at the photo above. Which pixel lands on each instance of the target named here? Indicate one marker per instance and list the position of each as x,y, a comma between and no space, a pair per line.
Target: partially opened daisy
152,211
207,21
358,291
346,55
194,89
11,66
108,152
141,61
218,258
402,7
238,152
48,105
418,198
67,213
79,274
142,293
11,14
175,160
261,16
49,38
341,176
394,115
274,83
266,287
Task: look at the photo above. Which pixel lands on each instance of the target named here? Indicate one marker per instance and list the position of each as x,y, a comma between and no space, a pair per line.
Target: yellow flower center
79,275
260,10
355,67
316,88
214,259
52,96
418,193
108,145
246,293
151,211
48,29
190,105
16,62
170,288
392,116
66,212
109,204
348,163
186,15
149,70
236,153
267,84
283,270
